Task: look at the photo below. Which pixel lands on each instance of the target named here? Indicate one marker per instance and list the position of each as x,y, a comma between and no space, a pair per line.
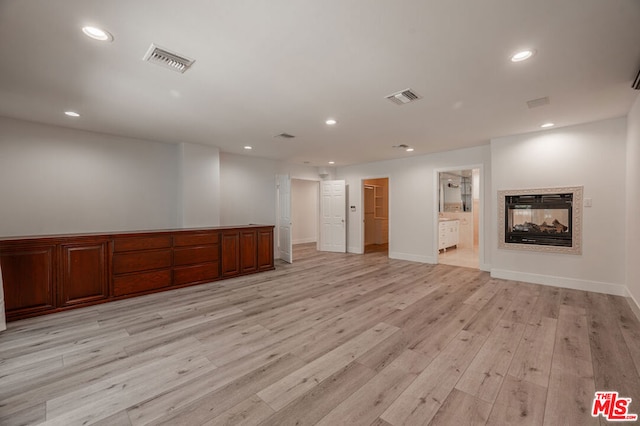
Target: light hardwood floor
332,339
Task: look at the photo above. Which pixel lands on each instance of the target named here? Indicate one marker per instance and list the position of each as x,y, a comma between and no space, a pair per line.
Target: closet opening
376,215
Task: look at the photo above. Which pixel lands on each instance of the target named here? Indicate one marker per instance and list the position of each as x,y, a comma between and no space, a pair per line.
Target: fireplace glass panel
539,219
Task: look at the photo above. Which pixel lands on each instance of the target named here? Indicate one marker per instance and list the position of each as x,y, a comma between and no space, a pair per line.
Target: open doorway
305,207
376,215
459,217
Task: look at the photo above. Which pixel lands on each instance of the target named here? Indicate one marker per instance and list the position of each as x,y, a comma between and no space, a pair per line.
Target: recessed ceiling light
409,149
248,147
332,162
97,33
331,122
72,114
545,125
523,55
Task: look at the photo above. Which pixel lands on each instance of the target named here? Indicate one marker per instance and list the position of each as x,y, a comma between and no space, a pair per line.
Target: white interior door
333,209
284,224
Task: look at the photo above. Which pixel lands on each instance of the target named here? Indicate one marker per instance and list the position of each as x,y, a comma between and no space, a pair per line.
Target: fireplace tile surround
547,220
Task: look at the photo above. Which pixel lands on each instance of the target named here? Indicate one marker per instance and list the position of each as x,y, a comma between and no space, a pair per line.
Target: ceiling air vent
167,59
284,136
403,97
534,103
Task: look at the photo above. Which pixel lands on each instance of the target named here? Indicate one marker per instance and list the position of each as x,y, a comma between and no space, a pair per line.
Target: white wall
633,202
304,210
199,186
413,201
248,190
56,180
591,155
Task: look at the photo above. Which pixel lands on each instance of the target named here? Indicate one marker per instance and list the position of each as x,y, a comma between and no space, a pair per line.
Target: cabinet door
230,253
454,234
265,249
248,251
84,273
29,279
442,235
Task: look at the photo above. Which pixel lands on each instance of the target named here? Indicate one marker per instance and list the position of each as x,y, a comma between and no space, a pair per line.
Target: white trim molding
413,257
305,240
573,283
633,303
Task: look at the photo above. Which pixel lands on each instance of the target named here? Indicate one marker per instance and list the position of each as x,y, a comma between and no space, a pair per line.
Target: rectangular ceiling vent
535,103
284,136
167,59
403,97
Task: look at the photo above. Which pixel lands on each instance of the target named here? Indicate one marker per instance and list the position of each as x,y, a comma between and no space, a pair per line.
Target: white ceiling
267,67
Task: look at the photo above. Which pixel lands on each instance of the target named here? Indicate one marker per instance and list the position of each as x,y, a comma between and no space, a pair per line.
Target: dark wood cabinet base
43,275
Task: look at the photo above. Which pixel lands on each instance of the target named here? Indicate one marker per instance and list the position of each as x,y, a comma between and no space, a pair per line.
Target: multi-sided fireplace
541,219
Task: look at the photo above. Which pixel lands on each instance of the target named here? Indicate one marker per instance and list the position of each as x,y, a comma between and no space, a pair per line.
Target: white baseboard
413,257
633,303
355,250
486,267
576,284
304,240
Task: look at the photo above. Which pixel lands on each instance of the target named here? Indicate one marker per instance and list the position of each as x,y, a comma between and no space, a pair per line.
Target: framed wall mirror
456,191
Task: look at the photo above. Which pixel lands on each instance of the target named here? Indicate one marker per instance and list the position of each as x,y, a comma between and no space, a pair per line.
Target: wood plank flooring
332,339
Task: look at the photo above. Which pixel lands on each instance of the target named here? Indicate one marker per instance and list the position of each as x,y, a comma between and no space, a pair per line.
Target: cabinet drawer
141,243
193,255
141,261
195,239
136,283
193,274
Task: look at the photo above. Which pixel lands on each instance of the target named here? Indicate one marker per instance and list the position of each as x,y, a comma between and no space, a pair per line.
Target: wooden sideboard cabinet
54,273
